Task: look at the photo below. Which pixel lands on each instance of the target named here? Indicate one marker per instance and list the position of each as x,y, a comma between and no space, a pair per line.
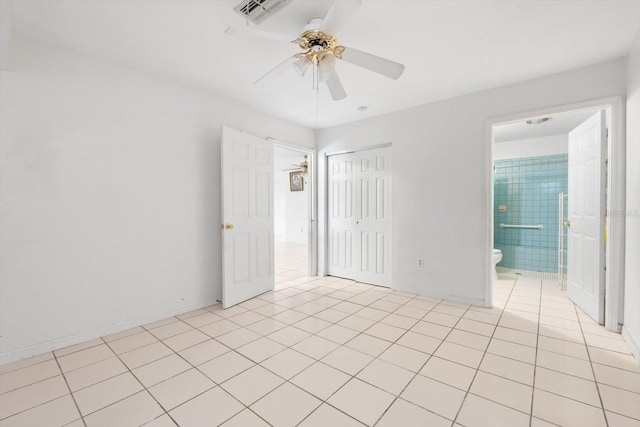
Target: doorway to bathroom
540,171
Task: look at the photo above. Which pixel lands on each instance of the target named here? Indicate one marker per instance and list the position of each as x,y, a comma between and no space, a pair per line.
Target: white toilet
497,256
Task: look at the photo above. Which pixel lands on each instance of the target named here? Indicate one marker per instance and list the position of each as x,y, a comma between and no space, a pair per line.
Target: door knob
228,226
566,223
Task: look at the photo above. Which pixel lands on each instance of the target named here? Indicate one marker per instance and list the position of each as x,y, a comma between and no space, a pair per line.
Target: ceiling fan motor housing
317,44
313,25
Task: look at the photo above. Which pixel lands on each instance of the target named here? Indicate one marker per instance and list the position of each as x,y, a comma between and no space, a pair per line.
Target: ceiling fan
320,49
303,166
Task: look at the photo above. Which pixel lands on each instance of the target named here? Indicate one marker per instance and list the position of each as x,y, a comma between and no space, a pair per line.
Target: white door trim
312,254
372,147
614,299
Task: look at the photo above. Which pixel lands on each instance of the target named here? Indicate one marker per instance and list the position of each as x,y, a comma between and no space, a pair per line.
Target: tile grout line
354,376
73,397
240,326
422,367
33,383
306,290
535,365
129,370
595,379
216,384
483,355
241,355
144,387
325,401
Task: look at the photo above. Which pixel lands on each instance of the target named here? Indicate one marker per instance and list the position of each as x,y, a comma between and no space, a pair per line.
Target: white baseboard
58,343
480,302
633,345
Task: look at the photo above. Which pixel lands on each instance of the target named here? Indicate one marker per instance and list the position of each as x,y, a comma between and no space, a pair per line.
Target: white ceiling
558,124
449,48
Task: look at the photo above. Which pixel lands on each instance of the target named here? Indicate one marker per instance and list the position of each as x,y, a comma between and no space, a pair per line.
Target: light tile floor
331,352
291,260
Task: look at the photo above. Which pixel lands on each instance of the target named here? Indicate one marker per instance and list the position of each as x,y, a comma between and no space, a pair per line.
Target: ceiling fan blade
335,86
275,71
258,34
338,15
374,63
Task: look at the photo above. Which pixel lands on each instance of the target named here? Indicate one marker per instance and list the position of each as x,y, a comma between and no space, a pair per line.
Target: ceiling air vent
257,11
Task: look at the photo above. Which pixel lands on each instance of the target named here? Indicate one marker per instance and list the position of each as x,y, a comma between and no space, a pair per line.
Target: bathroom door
586,202
247,215
359,213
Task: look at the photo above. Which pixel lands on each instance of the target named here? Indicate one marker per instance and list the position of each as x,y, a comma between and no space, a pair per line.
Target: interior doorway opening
292,206
532,155
531,175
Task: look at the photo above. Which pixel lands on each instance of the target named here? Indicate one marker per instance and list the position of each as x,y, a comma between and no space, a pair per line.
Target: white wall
441,174
631,329
110,188
531,147
291,208
297,214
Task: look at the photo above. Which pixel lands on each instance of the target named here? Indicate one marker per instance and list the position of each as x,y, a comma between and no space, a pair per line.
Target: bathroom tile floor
331,352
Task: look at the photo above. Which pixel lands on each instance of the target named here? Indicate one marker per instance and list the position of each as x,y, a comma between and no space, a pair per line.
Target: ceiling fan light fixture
326,67
302,65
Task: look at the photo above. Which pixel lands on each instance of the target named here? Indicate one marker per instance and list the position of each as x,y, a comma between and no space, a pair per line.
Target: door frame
325,222
312,224
616,152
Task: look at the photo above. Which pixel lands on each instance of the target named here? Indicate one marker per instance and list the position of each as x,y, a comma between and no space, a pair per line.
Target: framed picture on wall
296,181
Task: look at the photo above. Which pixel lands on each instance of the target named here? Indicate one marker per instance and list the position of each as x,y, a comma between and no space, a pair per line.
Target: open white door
247,215
585,245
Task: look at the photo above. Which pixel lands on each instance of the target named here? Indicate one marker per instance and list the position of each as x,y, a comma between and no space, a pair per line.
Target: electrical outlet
420,262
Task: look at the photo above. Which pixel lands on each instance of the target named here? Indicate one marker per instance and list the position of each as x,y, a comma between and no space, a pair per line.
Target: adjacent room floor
291,260
331,352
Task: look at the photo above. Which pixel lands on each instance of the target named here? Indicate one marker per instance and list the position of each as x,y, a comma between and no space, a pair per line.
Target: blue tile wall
529,188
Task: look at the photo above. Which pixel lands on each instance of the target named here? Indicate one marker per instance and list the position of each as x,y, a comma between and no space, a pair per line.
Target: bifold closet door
359,212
